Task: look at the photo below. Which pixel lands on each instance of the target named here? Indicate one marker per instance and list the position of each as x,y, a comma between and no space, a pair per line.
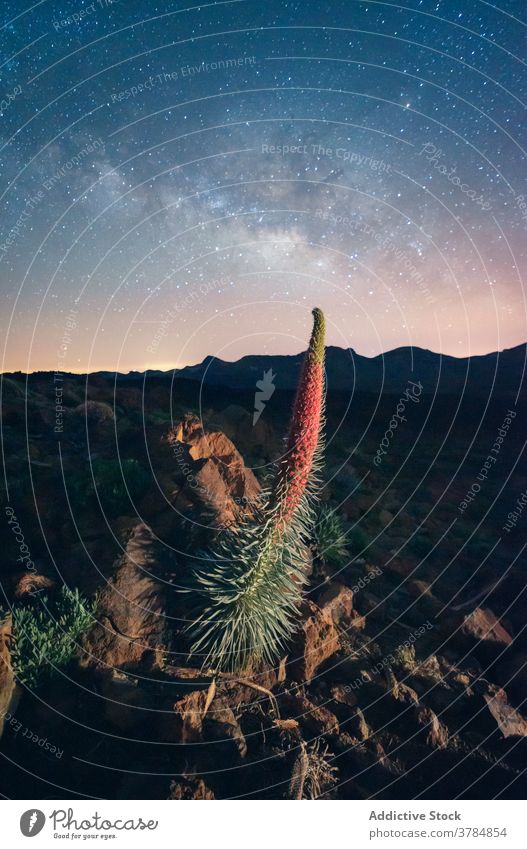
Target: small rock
343,694
359,727
221,724
432,668
315,719
436,733
482,624
188,789
194,725
405,694
29,583
510,722
461,678
189,713
316,641
337,600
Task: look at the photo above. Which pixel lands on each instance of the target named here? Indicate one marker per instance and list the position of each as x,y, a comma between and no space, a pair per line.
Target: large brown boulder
214,473
131,629
237,423
9,690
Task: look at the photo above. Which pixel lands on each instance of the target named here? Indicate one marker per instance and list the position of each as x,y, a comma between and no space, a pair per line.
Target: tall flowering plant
250,587
303,441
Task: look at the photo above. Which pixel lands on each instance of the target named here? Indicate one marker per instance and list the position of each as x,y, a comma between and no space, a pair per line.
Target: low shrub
118,485
358,541
329,538
45,635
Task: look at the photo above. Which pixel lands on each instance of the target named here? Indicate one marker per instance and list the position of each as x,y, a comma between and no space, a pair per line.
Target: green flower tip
316,344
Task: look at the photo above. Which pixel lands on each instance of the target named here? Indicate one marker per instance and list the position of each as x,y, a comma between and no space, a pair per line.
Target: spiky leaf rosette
250,586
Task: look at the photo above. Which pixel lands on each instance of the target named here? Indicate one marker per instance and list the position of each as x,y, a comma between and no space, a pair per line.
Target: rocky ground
406,678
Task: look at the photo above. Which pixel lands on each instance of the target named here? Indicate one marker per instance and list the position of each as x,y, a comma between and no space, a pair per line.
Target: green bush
329,538
345,486
94,413
420,545
113,479
358,541
117,483
44,635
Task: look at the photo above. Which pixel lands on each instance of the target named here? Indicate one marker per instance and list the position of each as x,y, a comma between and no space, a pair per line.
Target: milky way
178,182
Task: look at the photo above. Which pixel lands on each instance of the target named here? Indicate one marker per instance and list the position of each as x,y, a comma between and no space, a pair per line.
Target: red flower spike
304,431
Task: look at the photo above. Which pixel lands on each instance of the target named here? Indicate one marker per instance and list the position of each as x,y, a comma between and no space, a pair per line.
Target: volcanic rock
436,734
509,721
215,475
337,600
198,721
344,695
189,712
29,582
315,719
316,641
9,690
237,424
482,624
190,788
131,625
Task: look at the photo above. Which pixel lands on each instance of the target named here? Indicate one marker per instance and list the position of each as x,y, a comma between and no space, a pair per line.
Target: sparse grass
321,774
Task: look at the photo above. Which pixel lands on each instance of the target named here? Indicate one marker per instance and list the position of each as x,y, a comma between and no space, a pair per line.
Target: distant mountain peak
498,372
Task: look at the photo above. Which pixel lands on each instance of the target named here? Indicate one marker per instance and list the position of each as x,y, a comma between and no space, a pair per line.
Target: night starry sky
183,180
